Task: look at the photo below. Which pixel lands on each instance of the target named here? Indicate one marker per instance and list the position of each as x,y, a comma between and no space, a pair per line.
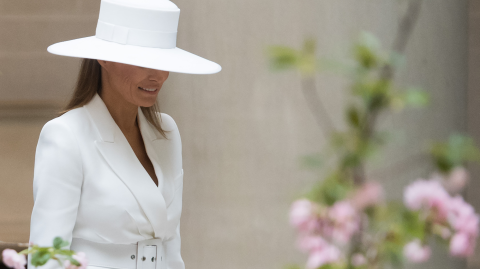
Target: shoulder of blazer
168,123
74,121
58,138
173,134
170,126
71,119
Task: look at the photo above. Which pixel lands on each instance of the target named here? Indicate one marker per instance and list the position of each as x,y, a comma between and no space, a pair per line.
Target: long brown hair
89,82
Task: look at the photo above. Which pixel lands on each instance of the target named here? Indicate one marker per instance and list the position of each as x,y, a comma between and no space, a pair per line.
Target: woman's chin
146,99
146,102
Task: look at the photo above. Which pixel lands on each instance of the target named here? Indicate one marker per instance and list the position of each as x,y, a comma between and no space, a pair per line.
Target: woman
108,172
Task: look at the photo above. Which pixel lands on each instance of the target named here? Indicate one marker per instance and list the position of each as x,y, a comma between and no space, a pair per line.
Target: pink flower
428,195
308,243
415,252
358,260
81,258
457,180
462,216
461,245
14,260
371,193
346,221
317,258
342,212
302,215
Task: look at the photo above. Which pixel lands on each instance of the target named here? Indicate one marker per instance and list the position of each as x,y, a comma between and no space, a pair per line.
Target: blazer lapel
161,166
159,151
118,153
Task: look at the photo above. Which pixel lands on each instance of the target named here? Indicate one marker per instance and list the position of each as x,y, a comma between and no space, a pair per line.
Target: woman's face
137,85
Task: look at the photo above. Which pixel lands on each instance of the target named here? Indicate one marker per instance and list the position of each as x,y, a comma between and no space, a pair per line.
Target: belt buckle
150,254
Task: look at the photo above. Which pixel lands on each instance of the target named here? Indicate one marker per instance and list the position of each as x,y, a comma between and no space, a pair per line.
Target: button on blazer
88,182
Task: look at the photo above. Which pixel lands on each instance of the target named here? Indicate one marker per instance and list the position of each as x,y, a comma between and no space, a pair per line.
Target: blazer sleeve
173,249
57,184
173,245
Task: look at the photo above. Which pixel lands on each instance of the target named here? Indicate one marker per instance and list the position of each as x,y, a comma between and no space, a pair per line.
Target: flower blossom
358,260
308,243
429,195
452,215
457,179
320,257
465,222
462,216
302,215
81,258
462,245
415,252
346,221
371,193
14,260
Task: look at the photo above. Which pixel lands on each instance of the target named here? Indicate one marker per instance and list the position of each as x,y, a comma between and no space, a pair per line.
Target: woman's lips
148,89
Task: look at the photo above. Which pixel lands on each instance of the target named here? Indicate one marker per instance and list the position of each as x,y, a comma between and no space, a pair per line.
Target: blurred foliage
456,151
41,255
332,188
373,93
284,58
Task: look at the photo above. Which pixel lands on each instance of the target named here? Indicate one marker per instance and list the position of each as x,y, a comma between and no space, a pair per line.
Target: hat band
137,37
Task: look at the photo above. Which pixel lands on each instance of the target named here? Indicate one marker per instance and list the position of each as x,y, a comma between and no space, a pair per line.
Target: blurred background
244,129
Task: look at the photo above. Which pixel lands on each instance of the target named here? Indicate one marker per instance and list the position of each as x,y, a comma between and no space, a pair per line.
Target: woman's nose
159,75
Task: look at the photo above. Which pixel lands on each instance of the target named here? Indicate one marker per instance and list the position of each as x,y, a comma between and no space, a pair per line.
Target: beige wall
244,128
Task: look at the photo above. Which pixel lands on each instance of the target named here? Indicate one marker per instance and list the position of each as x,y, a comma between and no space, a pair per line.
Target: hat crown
148,23
148,4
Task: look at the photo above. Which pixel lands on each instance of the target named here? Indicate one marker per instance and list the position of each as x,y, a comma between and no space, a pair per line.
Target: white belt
146,254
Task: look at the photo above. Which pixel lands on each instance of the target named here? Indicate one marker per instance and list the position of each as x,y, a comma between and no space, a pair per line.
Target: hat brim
174,60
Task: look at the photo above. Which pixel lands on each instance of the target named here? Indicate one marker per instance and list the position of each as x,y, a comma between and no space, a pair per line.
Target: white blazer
88,182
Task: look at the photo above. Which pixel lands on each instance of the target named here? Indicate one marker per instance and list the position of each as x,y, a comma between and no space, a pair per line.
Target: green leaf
64,244
456,151
307,62
416,97
350,160
353,116
365,57
413,225
40,258
365,51
282,57
57,242
332,189
379,96
73,261
369,40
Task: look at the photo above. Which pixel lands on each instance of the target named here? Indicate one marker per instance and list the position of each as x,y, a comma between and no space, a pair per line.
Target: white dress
89,184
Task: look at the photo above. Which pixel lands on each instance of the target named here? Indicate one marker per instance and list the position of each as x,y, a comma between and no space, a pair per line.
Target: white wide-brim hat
137,32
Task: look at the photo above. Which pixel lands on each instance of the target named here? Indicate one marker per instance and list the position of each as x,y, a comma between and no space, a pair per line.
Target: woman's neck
123,113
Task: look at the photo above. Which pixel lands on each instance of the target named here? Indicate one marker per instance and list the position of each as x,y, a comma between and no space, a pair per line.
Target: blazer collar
118,153
108,128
